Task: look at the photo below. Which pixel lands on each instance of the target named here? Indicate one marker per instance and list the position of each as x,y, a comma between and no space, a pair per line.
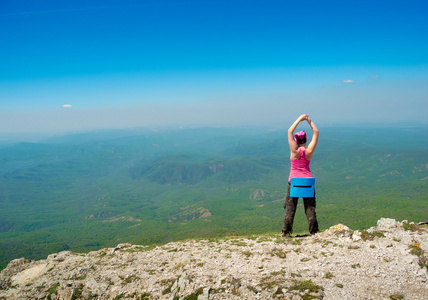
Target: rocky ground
388,261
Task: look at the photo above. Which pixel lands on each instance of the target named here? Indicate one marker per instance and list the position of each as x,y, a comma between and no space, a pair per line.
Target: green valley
87,191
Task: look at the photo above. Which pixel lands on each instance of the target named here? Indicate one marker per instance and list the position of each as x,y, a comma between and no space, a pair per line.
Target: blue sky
83,65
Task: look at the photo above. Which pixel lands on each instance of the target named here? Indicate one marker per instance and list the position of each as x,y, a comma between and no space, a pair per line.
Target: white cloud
348,81
67,106
374,76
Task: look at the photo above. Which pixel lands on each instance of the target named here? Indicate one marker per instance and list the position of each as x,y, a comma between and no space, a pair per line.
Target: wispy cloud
67,106
348,81
374,76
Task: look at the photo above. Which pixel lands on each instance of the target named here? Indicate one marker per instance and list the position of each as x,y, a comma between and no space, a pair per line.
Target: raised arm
314,141
291,141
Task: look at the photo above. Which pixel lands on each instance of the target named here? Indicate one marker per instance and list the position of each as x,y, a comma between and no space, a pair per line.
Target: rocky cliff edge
388,261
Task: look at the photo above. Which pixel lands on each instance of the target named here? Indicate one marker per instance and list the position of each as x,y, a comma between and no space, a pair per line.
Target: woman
300,158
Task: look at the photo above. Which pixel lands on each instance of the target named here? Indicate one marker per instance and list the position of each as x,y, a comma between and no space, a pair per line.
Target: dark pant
291,204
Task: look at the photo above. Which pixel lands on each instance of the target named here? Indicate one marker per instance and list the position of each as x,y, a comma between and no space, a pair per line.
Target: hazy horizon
84,66
47,136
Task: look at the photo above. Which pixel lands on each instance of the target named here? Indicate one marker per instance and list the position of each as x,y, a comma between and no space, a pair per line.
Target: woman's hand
303,117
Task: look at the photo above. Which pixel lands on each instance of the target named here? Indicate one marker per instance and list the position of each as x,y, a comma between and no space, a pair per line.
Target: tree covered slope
84,192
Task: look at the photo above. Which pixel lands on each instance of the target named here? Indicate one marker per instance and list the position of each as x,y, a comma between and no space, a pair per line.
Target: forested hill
88,191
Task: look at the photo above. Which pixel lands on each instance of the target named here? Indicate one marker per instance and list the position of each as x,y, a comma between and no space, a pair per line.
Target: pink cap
301,135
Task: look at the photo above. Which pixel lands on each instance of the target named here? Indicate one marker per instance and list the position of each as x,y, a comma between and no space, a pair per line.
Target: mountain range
86,191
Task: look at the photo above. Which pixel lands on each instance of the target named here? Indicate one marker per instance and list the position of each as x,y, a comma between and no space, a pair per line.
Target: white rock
174,286
356,236
94,286
334,230
206,291
29,275
182,282
386,223
203,297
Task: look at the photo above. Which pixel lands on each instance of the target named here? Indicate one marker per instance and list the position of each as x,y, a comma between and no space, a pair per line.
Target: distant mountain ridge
186,169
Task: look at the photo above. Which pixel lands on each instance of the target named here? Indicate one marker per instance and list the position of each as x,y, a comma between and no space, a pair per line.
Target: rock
182,283
383,242
385,224
202,297
174,286
371,230
95,287
29,275
423,241
205,295
356,236
336,230
59,257
13,268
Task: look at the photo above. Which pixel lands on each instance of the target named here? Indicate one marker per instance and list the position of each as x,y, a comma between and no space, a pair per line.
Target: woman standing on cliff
300,158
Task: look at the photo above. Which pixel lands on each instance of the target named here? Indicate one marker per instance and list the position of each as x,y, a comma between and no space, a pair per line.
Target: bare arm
313,144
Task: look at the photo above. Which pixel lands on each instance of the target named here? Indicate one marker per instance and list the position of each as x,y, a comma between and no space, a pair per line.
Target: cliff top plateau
387,261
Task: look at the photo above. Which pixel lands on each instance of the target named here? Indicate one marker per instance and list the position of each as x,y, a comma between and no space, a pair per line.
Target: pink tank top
300,166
